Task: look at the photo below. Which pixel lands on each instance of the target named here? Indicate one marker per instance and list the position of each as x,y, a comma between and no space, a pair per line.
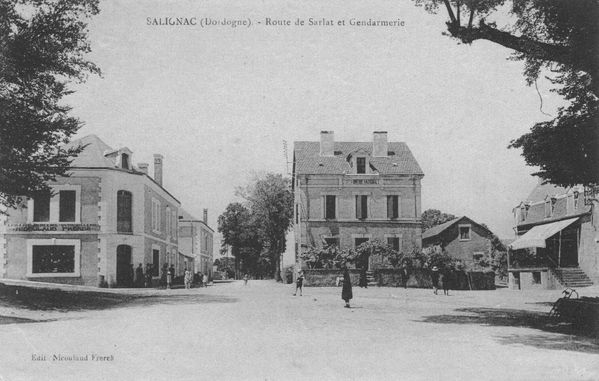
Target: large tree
234,225
43,44
270,201
557,37
434,217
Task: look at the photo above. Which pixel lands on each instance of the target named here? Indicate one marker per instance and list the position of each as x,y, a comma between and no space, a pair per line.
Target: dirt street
262,332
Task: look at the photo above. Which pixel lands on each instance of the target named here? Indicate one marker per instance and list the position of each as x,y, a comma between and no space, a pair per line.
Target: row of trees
255,229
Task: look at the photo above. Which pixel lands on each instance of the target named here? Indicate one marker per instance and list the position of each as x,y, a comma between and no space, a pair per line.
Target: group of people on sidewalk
167,278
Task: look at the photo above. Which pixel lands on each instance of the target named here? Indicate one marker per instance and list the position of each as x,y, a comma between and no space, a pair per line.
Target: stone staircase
370,278
572,277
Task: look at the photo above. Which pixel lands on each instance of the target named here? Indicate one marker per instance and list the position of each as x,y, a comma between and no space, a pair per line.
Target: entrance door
123,266
363,262
569,248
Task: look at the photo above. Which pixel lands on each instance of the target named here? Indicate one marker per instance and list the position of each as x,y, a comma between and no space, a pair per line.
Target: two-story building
106,218
557,241
347,193
196,241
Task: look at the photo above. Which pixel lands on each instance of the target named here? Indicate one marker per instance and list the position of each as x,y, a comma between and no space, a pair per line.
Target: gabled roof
438,229
308,160
541,192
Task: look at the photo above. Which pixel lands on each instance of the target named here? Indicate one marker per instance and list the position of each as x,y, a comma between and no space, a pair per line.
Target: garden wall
419,278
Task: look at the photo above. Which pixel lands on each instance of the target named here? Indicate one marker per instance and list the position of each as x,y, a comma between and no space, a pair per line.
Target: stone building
347,193
557,241
196,241
107,216
461,238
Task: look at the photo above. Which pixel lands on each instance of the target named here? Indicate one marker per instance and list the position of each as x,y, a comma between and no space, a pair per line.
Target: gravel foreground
262,332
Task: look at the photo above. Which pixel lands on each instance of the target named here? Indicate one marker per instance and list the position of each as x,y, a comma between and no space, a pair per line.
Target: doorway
124,276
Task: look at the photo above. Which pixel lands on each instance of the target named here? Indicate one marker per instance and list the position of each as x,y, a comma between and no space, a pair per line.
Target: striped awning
537,236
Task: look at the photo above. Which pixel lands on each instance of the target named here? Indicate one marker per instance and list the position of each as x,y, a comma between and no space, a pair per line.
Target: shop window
53,259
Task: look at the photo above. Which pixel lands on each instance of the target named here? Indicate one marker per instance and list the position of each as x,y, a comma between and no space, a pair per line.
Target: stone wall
328,278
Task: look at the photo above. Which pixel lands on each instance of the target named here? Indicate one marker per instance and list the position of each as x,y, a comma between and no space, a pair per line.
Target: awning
536,236
187,255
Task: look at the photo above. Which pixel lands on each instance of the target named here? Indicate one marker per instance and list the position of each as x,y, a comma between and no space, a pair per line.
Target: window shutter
358,207
364,206
389,206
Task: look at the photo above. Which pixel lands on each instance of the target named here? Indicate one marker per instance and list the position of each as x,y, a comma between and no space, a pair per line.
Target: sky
218,102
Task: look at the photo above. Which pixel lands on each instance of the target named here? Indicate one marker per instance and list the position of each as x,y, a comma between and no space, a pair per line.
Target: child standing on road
245,279
435,278
205,280
299,282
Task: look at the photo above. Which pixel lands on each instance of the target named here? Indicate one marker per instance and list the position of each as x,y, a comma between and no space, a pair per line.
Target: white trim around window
460,226
55,205
54,242
156,215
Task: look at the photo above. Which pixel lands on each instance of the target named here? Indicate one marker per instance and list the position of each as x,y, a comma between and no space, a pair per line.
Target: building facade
347,193
106,218
196,240
557,241
461,238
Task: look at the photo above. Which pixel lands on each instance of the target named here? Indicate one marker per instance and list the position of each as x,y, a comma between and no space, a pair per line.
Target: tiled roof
438,229
543,190
93,154
308,159
184,215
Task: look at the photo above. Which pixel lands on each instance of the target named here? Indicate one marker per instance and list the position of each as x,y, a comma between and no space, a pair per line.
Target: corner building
105,217
347,193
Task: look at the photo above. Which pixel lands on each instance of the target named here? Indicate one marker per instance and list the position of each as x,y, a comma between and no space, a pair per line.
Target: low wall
393,278
328,277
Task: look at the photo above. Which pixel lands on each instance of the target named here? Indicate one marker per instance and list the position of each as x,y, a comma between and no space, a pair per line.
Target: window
523,212
464,232
155,261
549,207
576,194
168,221
124,213
477,256
359,241
361,207
124,161
174,223
360,165
331,241
330,207
393,207
393,242
536,277
41,209
53,257
155,215
67,206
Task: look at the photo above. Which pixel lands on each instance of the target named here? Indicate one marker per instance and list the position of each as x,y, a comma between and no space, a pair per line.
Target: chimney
143,167
379,144
327,143
206,216
158,168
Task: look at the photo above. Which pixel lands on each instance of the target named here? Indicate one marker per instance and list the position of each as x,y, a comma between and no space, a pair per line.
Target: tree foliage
560,37
434,217
43,45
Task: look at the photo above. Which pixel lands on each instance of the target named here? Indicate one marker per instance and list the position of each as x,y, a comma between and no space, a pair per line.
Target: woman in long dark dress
346,292
363,278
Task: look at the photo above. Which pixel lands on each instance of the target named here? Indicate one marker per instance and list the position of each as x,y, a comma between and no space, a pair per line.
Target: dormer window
576,198
360,165
523,212
125,161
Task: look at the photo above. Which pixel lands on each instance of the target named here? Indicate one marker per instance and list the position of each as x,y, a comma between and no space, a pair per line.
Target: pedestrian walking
187,279
205,280
148,277
139,276
435,279
169,277
200,279
245,279
363,278
346,292
404,275
446,276
163,274
299,282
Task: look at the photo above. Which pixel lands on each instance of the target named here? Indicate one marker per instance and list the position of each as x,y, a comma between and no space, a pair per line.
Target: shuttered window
393,206
361,207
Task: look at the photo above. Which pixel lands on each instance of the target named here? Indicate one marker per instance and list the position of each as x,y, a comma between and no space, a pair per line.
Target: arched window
124,218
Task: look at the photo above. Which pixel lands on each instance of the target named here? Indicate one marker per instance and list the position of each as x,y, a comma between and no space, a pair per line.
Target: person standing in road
205,280
246,277
346,292
299,282
363,278
187,279
435,279
169,277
